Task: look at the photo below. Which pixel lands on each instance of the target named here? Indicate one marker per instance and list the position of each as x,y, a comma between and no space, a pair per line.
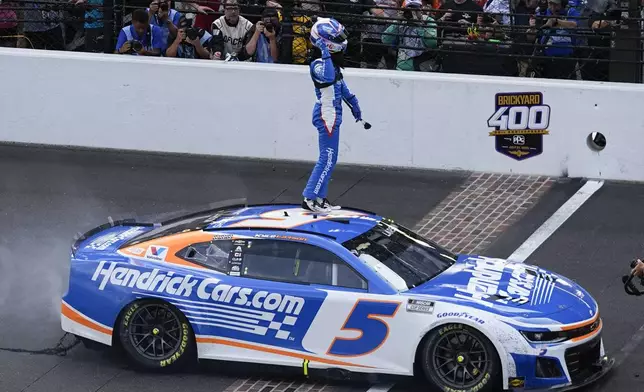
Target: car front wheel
456,357
155,335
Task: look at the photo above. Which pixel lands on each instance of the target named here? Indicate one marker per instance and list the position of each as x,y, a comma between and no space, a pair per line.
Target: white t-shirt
233,36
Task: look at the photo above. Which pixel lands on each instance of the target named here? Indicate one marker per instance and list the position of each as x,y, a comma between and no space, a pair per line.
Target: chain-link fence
70,25
563,39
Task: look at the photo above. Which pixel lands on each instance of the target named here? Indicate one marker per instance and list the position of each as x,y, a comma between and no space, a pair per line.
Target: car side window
210,254
298,263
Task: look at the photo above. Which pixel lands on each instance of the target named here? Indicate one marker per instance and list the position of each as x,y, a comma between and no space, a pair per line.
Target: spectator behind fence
487,27
373,51
522,10
556,35
351,12
43,27
412,37
190,42
93,24
458,12
499,10
140,38
265,42
602,20
166,18
295,35
230,32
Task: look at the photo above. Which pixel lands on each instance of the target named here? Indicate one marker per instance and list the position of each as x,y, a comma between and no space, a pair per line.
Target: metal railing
606,44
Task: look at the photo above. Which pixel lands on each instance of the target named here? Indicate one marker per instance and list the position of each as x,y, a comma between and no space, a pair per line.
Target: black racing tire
155,336
442,360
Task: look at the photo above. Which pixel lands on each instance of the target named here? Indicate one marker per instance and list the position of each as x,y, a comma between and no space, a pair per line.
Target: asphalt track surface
46,196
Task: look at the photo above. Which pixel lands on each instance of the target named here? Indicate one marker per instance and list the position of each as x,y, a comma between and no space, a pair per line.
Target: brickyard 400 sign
520,120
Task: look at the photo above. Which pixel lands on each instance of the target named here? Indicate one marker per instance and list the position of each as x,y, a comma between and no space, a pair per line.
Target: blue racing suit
330,91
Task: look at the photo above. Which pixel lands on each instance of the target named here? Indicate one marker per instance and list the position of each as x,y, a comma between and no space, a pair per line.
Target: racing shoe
314,205
326,203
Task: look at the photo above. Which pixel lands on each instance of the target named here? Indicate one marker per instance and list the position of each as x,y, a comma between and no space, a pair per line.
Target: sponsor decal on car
461,314
516,382
156,252
184,286
487,281
420,306
105,241
136,251
281,237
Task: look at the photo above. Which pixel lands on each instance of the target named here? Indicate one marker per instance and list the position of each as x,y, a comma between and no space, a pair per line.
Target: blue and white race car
348,290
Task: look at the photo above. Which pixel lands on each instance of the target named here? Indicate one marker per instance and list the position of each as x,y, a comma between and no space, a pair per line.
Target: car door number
366,318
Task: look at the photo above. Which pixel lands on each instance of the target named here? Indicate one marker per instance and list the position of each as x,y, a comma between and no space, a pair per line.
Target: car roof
341,225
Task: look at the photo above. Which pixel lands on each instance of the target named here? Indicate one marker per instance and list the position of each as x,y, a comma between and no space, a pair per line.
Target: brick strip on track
471,218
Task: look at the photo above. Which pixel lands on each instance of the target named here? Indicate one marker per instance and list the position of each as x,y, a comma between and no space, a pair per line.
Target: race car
347,291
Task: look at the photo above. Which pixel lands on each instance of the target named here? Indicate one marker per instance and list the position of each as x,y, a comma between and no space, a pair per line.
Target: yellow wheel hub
155,331
460,359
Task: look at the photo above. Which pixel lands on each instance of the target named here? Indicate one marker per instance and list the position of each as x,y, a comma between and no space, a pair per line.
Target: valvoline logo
156,252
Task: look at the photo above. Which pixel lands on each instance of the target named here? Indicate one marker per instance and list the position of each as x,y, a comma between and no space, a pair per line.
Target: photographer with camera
264,44
140,38
630,282
638,268
190,43
166,18
413,37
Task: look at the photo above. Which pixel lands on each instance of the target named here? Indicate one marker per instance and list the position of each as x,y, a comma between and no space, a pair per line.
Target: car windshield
403,258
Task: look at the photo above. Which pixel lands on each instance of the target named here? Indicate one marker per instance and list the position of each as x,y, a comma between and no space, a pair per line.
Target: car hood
517,290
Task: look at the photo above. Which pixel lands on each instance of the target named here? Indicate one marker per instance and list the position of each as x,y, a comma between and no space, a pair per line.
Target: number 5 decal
365,317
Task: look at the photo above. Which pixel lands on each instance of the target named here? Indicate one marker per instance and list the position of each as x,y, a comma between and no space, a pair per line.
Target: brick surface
472,217
254,384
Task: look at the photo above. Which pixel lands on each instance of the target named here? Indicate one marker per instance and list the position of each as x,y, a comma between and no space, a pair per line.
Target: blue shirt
174,16
155,33
95,14
560,36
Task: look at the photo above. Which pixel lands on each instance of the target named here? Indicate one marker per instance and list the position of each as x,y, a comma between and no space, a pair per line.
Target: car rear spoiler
79,238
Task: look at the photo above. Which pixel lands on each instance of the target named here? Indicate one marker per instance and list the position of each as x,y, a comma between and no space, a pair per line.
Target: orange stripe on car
580,325
79,318
175,243
588,335
274,351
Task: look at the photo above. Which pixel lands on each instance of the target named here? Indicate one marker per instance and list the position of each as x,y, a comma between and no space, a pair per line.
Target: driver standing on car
330,41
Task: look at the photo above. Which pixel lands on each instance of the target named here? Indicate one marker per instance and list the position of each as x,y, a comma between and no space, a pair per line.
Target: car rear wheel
456,357
156,335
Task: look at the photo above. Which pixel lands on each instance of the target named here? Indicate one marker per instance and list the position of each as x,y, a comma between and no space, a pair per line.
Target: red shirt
205,21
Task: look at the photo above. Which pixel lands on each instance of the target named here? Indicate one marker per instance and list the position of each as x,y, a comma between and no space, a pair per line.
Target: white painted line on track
555,221
380,388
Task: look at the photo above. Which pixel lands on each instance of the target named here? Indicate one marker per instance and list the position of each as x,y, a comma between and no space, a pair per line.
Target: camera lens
191,33
136,45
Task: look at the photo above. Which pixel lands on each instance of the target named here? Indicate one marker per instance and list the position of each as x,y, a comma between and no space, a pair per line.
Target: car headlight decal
544,337
560,336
